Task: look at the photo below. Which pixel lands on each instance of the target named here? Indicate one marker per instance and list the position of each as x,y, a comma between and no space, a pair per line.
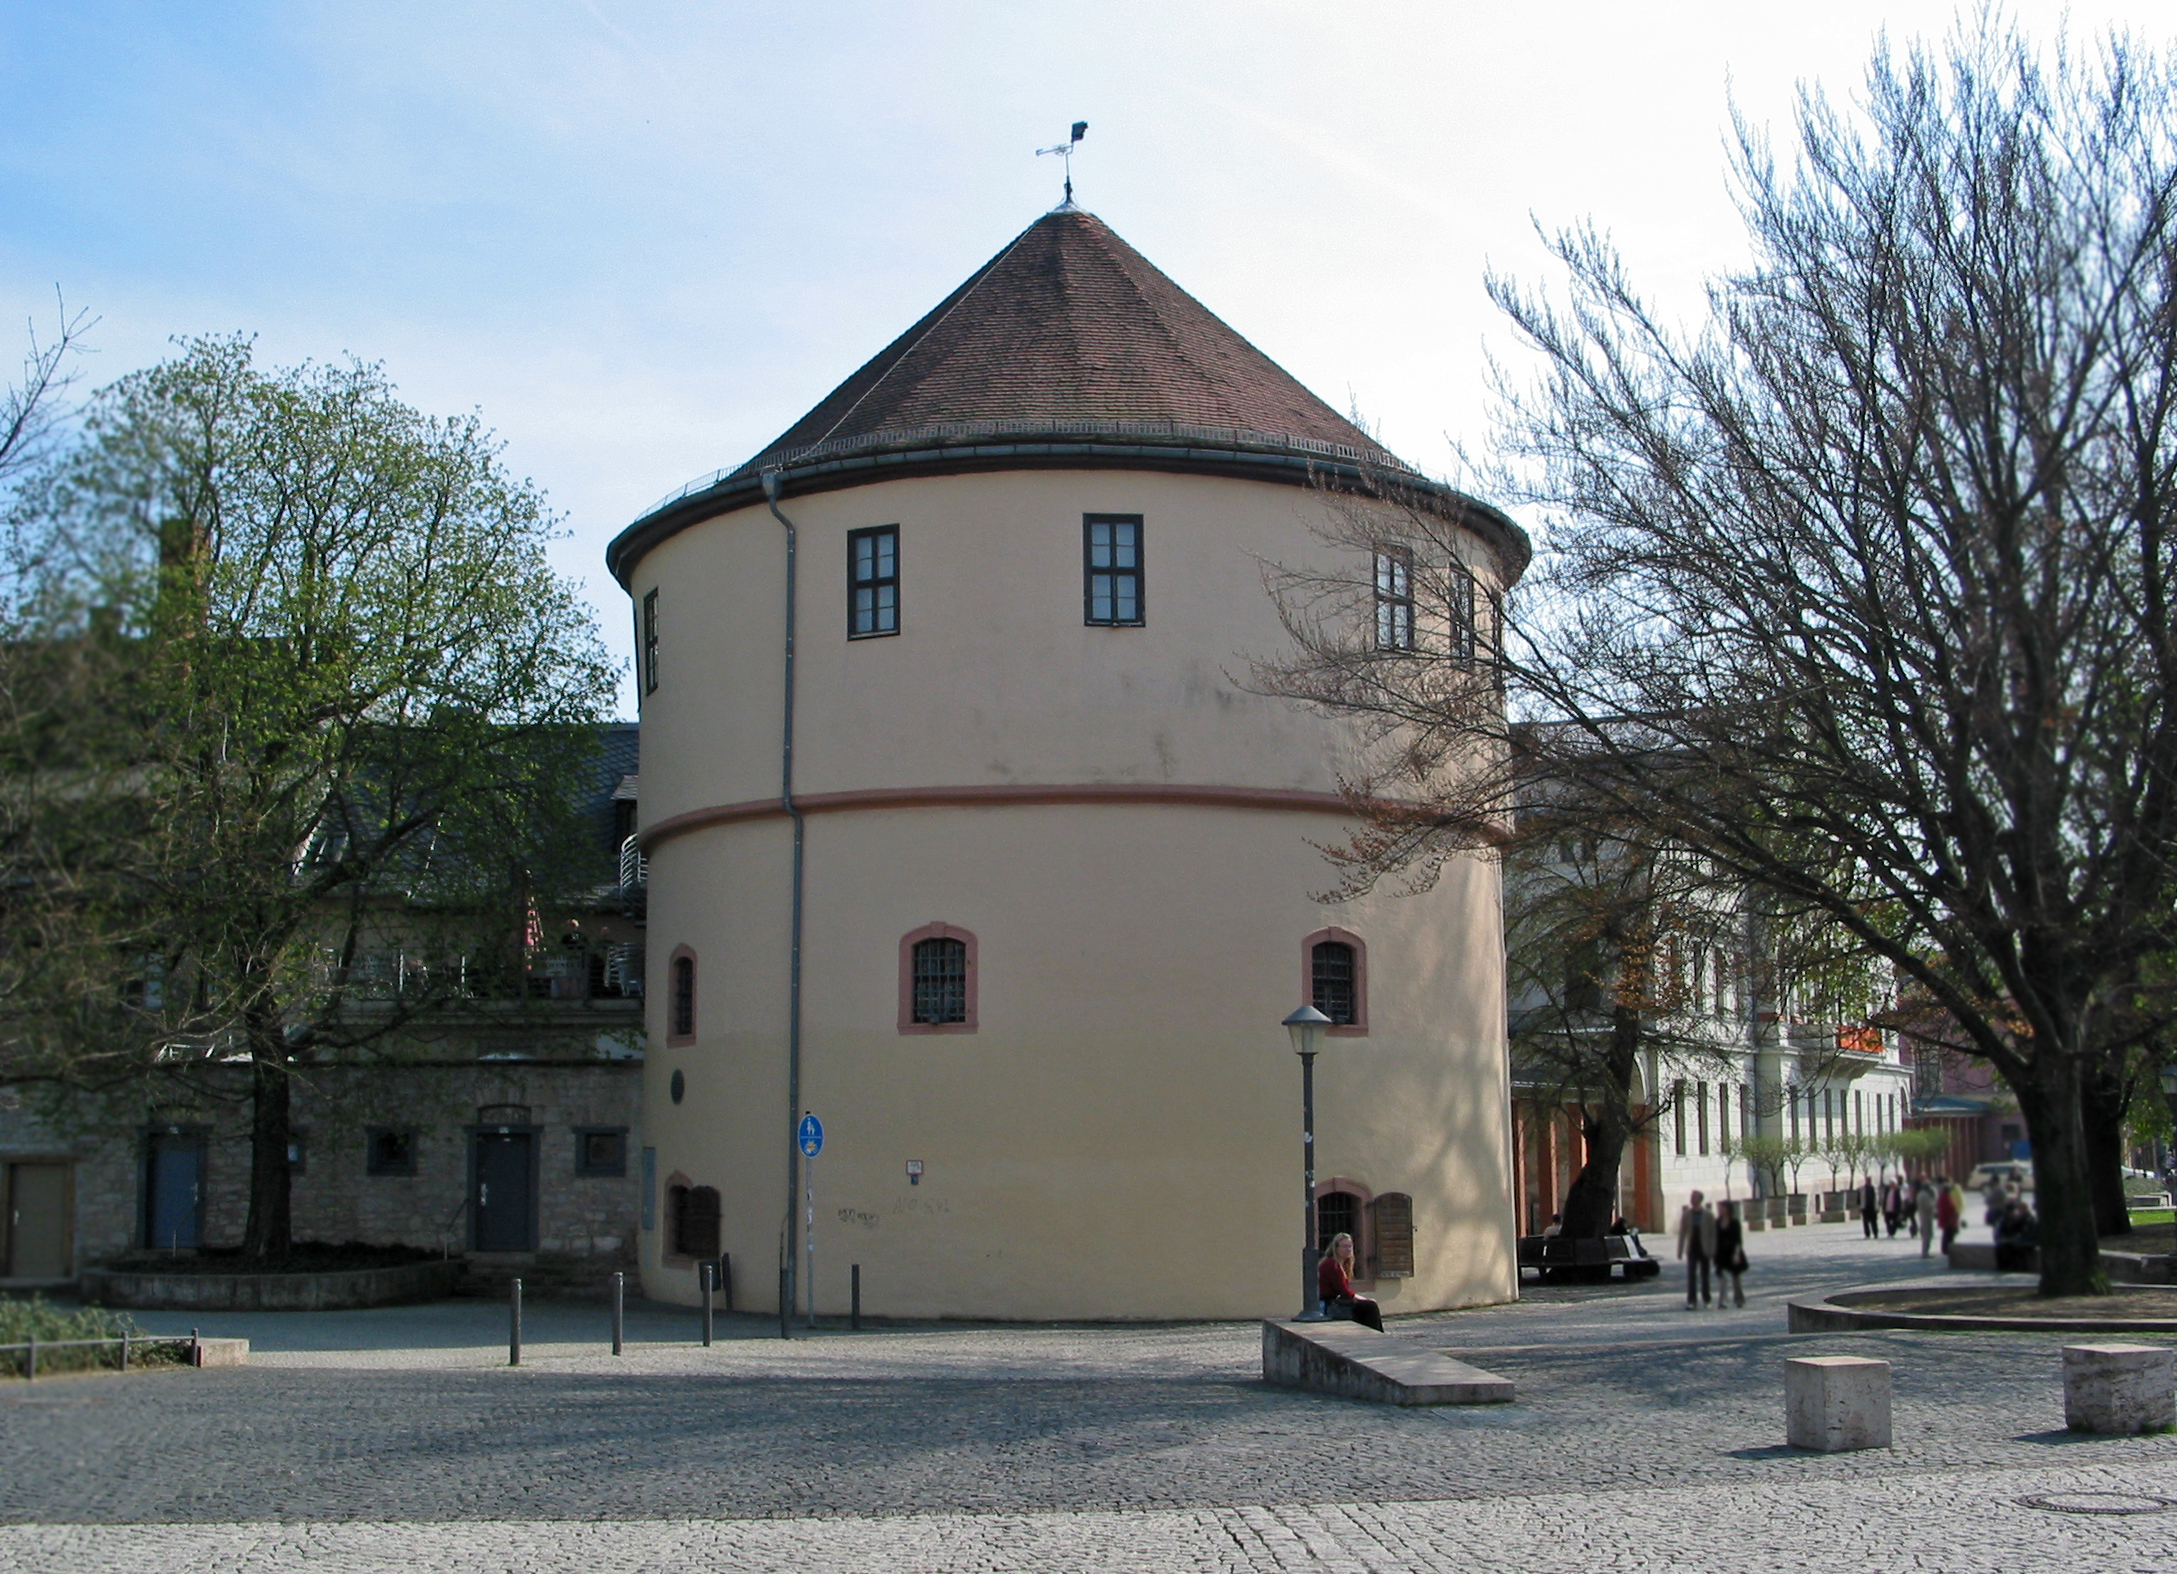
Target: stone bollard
1836,1402
2120,1389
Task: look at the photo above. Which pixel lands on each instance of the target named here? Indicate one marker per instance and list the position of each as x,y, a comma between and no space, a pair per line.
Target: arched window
1337,1213
693,1211
1335,978
937,987
680,1001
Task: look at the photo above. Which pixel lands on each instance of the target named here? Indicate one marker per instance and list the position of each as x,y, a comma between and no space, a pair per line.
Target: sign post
810,1135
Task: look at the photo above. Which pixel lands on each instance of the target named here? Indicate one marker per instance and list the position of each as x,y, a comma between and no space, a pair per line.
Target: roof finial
1065,151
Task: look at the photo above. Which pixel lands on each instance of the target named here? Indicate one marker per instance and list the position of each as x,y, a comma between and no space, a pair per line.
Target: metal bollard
514,1323
619,1312
786,1307
856,1318
703,1272
124,1352
196,1348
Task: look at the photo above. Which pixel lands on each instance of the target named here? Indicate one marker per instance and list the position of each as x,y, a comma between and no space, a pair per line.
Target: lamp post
1306,1029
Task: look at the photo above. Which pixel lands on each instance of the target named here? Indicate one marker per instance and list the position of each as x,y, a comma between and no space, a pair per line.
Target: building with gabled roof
964,836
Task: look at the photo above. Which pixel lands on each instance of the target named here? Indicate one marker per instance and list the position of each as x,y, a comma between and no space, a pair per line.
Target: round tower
1015,890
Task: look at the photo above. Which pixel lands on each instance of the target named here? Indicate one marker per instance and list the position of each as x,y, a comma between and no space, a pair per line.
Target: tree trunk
2049,1097
2103,1110
270,1231
1592,1201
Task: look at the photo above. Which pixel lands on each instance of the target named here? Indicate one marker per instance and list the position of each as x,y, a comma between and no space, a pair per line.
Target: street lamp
1306,1026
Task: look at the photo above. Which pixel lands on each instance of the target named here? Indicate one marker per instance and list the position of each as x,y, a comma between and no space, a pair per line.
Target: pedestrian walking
1867,1208
1923,1208
1730,1255
1893,1205
1949,1205
1697,1245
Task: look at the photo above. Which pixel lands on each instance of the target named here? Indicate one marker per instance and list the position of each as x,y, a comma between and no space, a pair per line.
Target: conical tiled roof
1070,350
1070,325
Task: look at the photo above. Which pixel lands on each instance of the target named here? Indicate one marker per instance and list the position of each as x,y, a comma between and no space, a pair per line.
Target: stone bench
2120,1389
1836,1402
1359,1363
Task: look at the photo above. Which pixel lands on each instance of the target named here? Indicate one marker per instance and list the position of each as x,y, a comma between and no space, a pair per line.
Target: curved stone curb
272,1292
1834,1314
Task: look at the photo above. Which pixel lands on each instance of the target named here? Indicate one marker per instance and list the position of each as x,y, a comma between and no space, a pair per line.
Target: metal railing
29,1349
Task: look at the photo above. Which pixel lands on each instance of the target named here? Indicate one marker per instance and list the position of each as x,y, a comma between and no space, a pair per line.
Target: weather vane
1065,151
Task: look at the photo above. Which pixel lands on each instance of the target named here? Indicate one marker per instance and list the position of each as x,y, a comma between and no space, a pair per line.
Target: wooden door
38,1234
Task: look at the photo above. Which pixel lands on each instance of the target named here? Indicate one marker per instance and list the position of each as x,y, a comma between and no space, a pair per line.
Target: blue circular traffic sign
811,1136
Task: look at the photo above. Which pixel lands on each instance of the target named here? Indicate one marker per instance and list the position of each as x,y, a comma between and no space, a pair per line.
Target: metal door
173,1210
503,1198
37,1235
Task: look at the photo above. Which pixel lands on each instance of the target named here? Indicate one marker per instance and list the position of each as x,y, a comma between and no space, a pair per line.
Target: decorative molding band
1286,799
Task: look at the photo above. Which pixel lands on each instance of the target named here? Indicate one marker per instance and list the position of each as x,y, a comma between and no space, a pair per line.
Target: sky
643,238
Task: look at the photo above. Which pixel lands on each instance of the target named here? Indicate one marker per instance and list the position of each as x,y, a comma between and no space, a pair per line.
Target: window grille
873,582
1337,1213
1111,545
1394,598
1334,980
600,1150
683,997
694,1213
650,642
941,981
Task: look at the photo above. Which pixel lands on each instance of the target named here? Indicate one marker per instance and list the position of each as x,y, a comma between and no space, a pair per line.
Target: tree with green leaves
291,688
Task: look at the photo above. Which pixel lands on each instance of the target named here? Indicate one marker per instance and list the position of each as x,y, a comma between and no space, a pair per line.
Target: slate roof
1069,325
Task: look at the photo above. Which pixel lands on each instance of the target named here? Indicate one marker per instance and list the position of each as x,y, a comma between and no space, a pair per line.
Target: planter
271,1292
1796,1205
1778,1218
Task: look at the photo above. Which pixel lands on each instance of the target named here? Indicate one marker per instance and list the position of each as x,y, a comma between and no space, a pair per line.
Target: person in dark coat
1697,1245
1868,1211
1730,1255
1334,1283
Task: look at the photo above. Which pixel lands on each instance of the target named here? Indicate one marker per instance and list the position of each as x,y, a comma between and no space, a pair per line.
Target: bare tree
1861,591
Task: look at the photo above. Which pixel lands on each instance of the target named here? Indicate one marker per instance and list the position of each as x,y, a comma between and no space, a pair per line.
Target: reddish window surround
934,931
1358,1027
672,989
1364,1236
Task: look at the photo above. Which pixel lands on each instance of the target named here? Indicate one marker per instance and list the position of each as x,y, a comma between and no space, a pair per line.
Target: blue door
173,1194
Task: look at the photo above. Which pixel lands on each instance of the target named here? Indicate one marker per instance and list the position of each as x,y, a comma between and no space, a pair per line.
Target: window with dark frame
1393,1215
389,1150
650,642
1678,1114
1460,609
600,1150
1112,558
1700,1114
873,582
683,1023
941,981
1333,977
1394,598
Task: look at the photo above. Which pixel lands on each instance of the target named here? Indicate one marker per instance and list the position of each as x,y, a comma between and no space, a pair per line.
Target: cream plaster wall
1120,1136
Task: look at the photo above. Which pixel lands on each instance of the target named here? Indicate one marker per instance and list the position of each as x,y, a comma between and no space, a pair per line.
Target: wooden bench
1359,1363
1557,1258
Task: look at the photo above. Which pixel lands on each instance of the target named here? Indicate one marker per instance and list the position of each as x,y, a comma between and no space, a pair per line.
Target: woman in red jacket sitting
1334,1283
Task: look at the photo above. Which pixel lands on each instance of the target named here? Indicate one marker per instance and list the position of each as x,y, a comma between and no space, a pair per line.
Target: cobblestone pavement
1137,1448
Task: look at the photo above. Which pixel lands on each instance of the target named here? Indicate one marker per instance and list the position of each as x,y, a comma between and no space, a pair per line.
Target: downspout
771,487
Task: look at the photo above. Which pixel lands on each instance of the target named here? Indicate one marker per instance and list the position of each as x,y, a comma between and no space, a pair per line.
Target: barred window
693,1212
941,981
873,582
1334,981
1111,549
683,1002
1394,598
650,642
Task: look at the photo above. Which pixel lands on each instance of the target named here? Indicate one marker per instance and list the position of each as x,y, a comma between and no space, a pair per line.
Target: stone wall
585,1224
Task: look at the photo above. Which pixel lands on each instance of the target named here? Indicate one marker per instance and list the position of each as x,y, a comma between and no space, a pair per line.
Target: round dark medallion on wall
680,1087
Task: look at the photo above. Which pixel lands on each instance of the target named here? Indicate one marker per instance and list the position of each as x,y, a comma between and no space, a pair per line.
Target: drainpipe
771,487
